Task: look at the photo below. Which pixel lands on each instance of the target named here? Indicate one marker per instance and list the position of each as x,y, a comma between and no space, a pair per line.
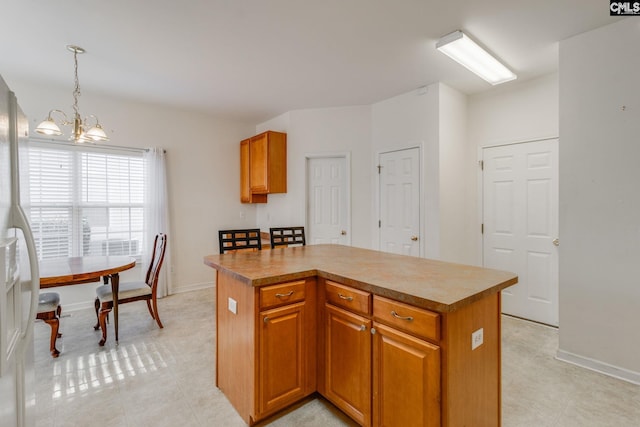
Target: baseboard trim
82,305
193,287
598,366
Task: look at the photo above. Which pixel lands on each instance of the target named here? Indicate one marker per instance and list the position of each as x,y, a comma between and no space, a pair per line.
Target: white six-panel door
327,201
400,201
520,216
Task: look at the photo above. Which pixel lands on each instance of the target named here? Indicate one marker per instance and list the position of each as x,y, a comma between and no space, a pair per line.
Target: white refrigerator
19,278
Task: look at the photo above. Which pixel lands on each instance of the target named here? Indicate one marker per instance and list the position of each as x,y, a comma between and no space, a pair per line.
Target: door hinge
481,164
379,169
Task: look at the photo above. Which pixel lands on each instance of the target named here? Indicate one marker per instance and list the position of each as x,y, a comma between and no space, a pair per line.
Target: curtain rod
71,144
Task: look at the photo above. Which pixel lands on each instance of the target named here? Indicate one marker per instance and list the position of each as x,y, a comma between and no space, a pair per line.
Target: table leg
115,286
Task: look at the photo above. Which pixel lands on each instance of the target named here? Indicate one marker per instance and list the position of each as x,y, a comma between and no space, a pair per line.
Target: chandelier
79,133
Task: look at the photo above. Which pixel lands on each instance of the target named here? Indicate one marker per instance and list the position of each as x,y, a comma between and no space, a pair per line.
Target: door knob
556,242
343,232
414,238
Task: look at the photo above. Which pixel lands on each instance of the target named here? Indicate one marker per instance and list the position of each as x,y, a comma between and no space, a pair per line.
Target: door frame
376,196
480,185
329,155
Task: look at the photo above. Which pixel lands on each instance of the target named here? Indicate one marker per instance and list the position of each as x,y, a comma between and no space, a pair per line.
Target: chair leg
104,311
96,305
59,313
155,310
150,309
54,322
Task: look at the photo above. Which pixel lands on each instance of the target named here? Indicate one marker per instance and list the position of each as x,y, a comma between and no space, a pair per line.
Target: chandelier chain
76,90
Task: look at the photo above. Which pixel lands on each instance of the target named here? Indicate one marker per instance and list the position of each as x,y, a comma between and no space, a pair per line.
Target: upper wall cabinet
263,166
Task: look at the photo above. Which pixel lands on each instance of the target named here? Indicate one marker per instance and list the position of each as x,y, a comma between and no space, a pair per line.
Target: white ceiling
255,59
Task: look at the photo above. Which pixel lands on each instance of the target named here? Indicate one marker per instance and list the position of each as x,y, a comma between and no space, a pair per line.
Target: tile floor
165,377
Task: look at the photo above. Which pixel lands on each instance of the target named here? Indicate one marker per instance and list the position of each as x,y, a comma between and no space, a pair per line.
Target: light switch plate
477,338
233,306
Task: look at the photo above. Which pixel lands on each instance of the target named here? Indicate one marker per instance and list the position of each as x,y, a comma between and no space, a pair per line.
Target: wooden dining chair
287,236
243,239
134,291
49,310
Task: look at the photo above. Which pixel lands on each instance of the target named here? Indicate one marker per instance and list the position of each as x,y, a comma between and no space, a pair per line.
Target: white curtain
156,214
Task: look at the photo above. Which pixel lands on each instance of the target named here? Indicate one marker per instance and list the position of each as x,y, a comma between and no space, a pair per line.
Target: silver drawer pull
285,295
345,297
363,328
266,319
397,316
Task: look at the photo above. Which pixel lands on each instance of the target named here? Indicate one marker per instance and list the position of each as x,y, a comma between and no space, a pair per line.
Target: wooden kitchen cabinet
406,380
263,166
381,376
281,357
266,346
419,368
348,363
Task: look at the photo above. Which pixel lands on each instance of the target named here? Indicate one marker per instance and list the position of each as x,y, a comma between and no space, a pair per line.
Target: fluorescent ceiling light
459,47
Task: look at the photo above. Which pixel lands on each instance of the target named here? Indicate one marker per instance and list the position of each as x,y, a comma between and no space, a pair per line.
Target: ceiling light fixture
459,47
78,134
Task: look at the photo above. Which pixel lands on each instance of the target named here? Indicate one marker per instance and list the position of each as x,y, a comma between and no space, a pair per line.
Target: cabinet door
259,171
348,363
245,182
406,380
245,186
282,362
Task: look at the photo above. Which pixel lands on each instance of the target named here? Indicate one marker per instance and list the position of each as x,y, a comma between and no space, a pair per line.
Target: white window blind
84,201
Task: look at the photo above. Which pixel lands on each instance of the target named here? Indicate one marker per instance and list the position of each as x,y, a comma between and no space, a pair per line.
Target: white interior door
520,216
328,200
400,201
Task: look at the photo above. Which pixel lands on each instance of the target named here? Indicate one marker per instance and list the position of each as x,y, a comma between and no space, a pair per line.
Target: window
84,200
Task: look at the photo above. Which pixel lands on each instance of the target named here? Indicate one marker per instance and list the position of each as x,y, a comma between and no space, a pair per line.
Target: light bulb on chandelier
49,126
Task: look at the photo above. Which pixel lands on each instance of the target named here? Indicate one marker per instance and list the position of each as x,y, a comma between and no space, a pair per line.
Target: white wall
317,131
599,199
435,119
203,157
516,111
404,121
457,178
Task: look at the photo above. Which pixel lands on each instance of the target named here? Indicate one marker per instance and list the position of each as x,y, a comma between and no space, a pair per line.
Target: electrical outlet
477,338
233,306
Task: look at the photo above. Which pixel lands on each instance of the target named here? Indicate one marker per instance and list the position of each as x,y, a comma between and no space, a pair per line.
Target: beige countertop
435,285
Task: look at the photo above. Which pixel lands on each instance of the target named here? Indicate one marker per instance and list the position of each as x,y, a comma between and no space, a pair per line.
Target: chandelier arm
64,122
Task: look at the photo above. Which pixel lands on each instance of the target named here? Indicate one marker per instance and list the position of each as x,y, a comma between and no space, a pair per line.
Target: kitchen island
391,340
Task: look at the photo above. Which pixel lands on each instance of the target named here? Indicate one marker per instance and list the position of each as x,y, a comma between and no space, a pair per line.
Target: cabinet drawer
349,298
413,320
282,293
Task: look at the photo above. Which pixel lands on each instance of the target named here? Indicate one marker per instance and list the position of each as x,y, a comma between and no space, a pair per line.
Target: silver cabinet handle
397,316
266,319
414,238
285,295
363,328
373,331
343,232
347,298
556,242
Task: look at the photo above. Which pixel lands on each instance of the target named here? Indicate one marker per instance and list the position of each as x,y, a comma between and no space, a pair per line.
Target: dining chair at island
287,236
134,291
49,310
240,239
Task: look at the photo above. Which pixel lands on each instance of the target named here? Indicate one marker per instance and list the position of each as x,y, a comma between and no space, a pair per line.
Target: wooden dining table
67,271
